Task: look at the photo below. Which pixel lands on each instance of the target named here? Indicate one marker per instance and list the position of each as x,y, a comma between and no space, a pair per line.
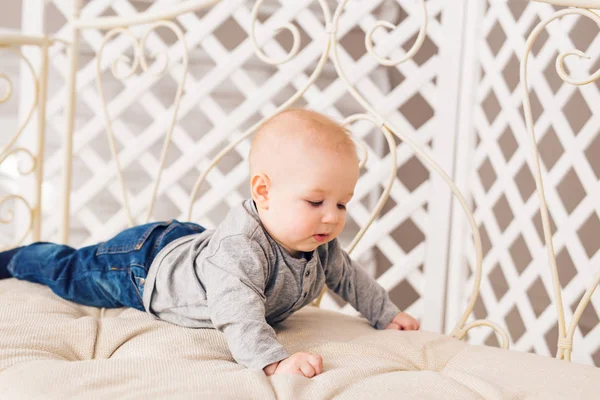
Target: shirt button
307,273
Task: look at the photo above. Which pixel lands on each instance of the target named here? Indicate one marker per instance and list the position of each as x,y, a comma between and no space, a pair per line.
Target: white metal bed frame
121,26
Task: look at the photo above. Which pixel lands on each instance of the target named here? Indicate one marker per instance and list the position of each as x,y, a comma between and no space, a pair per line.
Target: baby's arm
237,309
234,279
348,280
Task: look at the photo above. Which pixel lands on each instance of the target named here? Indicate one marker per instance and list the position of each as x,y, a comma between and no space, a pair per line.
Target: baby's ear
259,186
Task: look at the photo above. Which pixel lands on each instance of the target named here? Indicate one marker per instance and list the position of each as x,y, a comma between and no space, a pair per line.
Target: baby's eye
315,203
341,206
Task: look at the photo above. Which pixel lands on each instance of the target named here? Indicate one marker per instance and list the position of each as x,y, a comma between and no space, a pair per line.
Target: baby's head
303,170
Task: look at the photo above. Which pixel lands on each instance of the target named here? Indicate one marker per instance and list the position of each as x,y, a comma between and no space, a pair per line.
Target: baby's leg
76,275
5,257
109,274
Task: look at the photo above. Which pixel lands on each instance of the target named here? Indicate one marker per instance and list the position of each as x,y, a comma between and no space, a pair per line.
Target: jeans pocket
131,239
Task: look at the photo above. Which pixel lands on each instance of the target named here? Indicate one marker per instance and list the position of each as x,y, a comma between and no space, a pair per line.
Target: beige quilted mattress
54,349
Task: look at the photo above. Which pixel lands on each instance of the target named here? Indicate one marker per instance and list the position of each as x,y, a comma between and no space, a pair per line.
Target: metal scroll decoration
565,336
7,202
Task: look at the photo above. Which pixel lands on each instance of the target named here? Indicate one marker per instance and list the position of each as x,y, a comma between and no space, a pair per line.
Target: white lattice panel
516,289
226,91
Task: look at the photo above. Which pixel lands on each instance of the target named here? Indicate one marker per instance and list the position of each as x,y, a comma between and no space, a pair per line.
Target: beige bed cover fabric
54,349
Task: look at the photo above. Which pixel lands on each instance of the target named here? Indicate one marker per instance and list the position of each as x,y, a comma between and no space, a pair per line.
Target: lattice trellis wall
517,287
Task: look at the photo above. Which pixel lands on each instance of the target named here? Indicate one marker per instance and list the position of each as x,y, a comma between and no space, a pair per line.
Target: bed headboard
186,159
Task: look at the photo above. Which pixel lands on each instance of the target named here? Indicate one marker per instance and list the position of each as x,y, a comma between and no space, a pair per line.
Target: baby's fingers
307,370
411,326
317,362
393,325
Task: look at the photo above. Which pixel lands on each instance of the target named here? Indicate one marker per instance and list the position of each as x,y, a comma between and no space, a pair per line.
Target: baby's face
308,208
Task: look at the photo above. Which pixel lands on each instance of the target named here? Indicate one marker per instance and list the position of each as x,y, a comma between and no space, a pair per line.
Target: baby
269,257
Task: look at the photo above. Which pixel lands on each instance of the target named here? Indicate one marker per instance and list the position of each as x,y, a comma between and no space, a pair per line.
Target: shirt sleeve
234,279
348,280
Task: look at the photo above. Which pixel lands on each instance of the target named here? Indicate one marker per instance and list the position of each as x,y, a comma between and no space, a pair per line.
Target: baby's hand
301,363
403,322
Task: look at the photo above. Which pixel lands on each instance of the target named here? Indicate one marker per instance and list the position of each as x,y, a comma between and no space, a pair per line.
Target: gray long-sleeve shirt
240,281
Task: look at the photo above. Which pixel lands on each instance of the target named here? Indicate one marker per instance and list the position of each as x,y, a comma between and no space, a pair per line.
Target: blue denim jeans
109,274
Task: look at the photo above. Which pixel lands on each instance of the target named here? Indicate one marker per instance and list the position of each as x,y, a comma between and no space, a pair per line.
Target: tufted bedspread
51,348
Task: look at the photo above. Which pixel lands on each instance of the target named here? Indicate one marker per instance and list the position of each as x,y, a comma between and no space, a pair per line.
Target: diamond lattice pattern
517,287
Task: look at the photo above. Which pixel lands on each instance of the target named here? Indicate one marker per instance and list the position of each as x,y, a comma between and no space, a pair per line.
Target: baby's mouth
321,237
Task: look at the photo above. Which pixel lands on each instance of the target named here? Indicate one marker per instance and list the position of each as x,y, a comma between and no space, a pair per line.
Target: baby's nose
330,217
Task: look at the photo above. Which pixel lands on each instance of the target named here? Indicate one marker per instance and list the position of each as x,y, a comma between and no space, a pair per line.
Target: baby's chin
313,246
309,247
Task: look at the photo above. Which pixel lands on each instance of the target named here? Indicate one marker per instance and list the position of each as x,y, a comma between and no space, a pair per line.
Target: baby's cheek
301,227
